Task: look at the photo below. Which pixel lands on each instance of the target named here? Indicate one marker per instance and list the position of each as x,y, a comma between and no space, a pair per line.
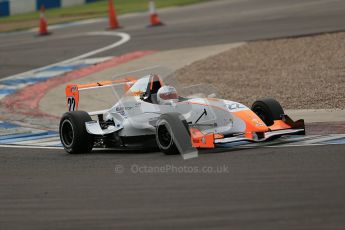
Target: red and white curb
12,85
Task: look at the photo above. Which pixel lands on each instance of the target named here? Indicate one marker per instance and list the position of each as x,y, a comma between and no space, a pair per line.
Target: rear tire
268,109
73,135
164,135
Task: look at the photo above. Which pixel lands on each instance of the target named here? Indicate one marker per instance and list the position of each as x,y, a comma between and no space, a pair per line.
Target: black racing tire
164,138
73,135
268,109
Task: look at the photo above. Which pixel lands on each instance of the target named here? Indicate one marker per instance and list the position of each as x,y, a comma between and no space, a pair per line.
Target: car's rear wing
72,90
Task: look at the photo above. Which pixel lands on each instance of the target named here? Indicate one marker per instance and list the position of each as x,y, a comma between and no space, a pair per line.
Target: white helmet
167,95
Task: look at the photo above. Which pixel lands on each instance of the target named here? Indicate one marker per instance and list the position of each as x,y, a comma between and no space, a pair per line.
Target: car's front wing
267,136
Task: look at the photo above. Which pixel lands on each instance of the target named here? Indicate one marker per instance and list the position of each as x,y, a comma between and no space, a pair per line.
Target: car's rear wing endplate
72,90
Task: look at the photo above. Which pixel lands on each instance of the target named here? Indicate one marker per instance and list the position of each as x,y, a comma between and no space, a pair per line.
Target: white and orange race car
151,114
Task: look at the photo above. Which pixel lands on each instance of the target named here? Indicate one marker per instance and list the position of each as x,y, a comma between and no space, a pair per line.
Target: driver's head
167,95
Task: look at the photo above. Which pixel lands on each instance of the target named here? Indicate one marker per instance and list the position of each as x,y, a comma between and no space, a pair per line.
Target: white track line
45,144
124,38
55,139
28,147
320,139
299,145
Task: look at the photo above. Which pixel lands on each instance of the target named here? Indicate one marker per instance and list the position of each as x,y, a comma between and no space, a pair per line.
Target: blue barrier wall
12,7
48,4
4,8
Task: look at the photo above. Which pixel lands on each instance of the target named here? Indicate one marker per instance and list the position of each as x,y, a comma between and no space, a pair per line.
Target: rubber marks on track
15,136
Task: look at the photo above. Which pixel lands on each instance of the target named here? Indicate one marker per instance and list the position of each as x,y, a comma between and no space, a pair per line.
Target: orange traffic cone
113,23
43,27
154,19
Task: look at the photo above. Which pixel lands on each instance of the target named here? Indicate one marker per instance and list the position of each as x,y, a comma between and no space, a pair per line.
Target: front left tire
165,138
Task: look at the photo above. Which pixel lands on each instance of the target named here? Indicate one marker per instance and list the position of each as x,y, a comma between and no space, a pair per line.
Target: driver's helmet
167,95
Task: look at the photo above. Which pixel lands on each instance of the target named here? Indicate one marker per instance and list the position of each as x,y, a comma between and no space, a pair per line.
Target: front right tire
73,135
268,109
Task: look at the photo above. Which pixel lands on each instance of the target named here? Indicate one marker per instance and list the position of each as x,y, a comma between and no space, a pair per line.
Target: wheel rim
67,133
164,136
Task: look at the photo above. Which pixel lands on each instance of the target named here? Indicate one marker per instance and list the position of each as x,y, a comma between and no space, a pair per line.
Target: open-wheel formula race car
151,114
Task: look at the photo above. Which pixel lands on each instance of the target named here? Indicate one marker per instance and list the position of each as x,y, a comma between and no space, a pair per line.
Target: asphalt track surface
264,188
